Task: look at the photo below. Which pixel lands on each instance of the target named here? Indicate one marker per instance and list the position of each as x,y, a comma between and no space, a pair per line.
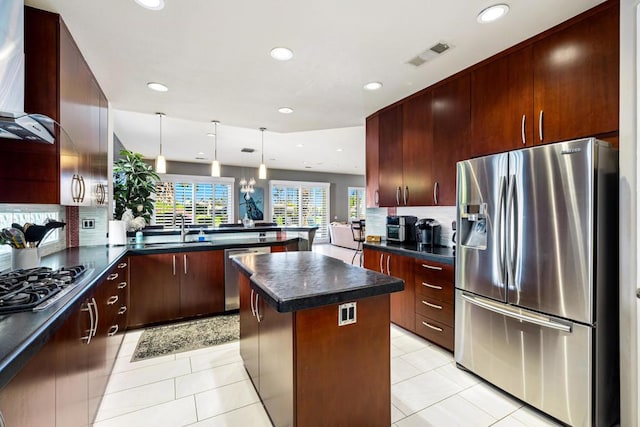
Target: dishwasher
231,294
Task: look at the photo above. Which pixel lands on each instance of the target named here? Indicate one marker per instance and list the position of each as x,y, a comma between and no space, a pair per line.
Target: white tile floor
209,387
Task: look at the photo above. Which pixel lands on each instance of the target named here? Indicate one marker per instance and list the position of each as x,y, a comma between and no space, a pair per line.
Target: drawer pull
429,285
122,285
113,330
122,310
112,300
122,265
435,328
439,307
432,267
112,276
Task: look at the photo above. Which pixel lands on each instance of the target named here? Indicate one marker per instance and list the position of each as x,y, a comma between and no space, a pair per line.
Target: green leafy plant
133,184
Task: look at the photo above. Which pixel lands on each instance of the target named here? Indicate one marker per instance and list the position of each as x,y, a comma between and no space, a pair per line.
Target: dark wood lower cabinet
309,371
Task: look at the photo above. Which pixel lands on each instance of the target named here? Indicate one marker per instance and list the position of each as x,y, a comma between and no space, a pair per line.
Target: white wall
629,164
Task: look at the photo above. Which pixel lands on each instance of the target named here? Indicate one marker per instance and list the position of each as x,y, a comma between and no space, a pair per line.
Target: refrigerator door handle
512,230
499,228
509,312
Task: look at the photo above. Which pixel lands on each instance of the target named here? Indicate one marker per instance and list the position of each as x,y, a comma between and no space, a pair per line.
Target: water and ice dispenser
473,225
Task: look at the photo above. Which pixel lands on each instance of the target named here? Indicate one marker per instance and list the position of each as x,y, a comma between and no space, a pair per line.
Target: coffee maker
427,233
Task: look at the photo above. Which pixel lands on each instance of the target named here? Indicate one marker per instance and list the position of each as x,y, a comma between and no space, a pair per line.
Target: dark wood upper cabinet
372,160
576,79
58,84
501,105
390,160
451,131
417,146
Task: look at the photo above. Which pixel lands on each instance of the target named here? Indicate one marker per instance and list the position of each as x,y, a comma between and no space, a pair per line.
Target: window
206,201
357,205
301,204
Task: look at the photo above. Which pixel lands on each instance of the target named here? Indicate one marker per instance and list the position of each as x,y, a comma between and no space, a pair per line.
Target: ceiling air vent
429,54
247,150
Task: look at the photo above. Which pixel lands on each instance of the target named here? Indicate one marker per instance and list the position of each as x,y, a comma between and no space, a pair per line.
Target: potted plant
133,184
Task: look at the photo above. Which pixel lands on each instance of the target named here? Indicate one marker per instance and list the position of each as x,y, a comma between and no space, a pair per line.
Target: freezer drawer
550,367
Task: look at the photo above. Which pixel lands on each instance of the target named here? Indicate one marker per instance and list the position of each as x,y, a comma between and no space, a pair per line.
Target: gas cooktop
36,288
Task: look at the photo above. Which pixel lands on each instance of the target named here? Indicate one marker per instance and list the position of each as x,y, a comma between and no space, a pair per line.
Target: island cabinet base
309,371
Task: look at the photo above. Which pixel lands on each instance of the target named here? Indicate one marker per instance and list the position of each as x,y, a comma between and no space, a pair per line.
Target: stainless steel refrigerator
536,277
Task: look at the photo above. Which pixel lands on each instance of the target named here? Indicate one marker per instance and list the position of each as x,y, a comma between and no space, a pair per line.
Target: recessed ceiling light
151,4
211,134
493,13
158,87
373,86
339,149
299,145
285,110
281,53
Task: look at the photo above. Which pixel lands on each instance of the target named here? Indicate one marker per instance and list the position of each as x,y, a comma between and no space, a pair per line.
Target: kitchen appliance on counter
232,274
536,277
401,228
427,233
37,288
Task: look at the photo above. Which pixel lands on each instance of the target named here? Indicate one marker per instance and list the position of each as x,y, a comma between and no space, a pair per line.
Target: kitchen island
314,338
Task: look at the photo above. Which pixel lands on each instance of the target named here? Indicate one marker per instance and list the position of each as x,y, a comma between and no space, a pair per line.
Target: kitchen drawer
439,311
441,291
434,331
434,273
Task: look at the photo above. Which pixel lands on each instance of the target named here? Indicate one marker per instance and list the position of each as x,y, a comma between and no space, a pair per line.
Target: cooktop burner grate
23,290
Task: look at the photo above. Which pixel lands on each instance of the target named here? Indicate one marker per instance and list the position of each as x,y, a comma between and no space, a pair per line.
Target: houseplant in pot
133,184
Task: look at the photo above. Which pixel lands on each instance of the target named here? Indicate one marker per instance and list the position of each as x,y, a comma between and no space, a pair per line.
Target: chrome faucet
183,231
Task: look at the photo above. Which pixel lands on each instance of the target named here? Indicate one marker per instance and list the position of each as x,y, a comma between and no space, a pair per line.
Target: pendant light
262,171
161,162
215,165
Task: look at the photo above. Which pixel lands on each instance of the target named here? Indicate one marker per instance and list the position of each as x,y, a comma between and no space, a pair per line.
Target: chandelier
247,187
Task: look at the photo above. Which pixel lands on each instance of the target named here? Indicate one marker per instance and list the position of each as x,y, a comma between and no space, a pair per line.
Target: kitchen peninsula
314,338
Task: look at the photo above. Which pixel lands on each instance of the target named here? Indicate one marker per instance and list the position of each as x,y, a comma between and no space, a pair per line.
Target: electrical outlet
346,313
88,223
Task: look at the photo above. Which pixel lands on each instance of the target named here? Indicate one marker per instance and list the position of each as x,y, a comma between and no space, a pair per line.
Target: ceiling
214,57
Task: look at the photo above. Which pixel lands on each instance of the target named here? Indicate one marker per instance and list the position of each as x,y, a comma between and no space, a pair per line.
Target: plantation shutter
301,204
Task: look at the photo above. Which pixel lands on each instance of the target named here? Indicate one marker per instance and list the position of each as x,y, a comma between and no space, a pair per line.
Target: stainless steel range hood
14,123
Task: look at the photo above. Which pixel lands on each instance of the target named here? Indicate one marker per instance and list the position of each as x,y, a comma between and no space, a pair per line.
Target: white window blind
357,205
301,204
202,201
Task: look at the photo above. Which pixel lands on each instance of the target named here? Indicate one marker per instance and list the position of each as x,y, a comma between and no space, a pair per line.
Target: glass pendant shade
161,164
215,168
262,171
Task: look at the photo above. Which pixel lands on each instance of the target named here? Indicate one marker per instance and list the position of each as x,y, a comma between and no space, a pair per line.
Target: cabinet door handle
381,267
122,285
122,310
113,330
435,328
253,311
112,300
429,285
388,268
95,307
112,276
91,321
524,136
377,197
174,265
258,308
406,194
428,304
122,265
75,188
435,193
82,189
398,196
184,258
540,125
432,267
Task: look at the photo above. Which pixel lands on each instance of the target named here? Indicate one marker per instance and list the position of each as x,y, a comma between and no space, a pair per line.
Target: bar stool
358,233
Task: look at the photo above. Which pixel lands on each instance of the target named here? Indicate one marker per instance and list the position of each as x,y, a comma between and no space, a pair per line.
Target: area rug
186,336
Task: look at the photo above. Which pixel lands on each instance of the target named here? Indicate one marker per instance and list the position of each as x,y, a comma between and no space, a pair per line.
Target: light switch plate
88,223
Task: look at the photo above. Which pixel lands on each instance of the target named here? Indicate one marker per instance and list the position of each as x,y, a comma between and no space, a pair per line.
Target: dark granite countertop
194,229
293,281
23,334
438,254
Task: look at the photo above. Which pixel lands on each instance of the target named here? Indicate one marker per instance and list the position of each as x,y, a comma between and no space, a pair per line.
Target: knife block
25,258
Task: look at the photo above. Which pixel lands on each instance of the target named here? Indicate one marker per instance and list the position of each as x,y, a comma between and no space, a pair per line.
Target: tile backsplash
445,215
